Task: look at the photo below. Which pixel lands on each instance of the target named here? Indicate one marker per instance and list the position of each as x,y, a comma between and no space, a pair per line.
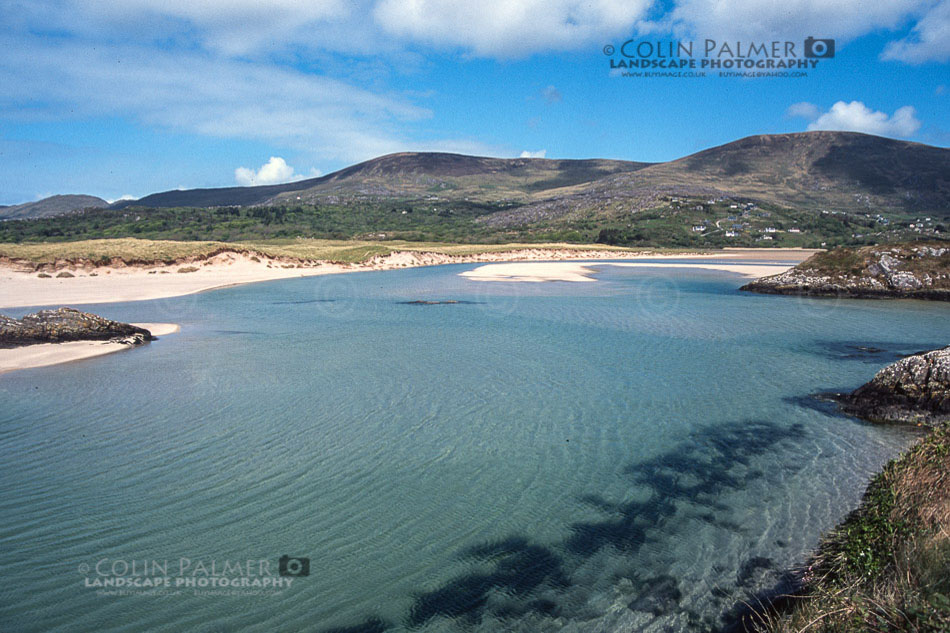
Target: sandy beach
20,287
44,354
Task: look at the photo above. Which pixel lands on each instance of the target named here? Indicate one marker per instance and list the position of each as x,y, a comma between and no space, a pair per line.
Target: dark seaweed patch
516,577
425,302
874,352
301,302
370,625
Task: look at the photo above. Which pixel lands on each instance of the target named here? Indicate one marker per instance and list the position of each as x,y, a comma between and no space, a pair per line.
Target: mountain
408,174
810,171
810,189
217,197
52,206
846,170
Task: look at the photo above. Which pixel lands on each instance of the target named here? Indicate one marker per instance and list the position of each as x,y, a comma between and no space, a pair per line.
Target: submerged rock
660,596
914,390
67,324
425,302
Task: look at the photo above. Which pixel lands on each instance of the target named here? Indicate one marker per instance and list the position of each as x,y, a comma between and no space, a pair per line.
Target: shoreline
84,284
873,569
46,354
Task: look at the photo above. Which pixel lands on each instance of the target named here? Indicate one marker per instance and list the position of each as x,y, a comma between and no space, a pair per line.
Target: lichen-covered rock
889,271
66,324
914,390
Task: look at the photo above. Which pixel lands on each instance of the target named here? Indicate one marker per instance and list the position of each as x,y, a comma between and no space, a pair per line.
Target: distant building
699,229
794,230
731,234
770,229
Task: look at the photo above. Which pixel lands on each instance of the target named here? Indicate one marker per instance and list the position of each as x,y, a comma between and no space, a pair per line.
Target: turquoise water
639,453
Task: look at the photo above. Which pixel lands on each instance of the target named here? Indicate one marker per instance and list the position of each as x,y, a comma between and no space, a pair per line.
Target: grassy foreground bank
887,566
133,251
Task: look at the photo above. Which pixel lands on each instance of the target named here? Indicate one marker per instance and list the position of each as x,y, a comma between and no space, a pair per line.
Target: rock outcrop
909,271
67,324
914,390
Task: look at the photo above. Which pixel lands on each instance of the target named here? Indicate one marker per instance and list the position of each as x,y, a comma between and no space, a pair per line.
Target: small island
67,324
915,270
51,337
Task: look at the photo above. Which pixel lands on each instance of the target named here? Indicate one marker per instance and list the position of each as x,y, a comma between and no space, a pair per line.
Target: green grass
886,568
382,218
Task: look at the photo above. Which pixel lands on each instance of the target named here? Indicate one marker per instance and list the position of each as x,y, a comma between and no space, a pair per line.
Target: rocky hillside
843,171
52,206
408,175
66,324
910,271
789,190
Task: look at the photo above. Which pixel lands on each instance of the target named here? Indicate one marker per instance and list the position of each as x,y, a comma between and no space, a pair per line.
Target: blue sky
126,98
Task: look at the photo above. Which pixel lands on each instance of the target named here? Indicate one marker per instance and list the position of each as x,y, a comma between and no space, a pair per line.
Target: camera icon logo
820,49
293,566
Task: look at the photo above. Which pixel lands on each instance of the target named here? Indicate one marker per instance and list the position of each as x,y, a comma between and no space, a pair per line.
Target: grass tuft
886,568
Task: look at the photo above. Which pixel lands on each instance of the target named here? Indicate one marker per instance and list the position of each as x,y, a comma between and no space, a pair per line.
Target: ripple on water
637,454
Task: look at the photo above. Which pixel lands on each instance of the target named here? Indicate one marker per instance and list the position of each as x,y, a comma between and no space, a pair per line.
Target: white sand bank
581,271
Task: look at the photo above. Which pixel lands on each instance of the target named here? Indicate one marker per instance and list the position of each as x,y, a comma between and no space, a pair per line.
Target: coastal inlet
636,452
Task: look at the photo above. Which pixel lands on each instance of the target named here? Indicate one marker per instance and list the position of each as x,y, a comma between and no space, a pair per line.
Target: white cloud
771,19
125,197
541,153
232,27
274,171
928,41
197,93
491,28
857,117
509,28
803,110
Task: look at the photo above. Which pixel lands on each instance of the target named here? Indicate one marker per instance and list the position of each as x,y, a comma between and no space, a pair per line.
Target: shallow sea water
640,453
